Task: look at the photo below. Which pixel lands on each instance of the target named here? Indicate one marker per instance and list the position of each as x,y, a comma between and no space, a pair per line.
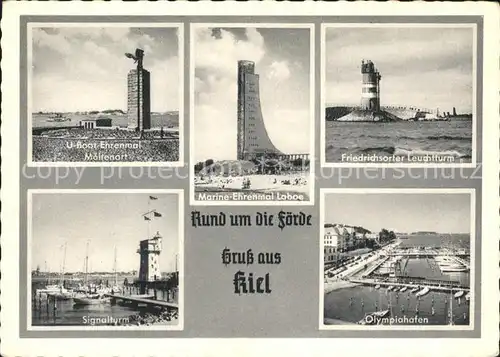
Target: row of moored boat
421,291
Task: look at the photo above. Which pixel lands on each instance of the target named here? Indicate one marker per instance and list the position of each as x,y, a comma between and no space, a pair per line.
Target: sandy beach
267,183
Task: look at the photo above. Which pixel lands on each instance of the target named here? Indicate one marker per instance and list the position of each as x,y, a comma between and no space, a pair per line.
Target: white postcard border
13,344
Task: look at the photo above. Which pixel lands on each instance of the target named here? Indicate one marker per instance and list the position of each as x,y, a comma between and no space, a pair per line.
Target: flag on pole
153,198
156,214
147,218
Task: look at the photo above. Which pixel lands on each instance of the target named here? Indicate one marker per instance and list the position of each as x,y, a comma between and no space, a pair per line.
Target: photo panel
252,114
397,259
105,260
105,94
399,94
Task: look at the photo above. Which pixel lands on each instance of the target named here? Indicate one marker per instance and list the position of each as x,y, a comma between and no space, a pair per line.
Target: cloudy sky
422,67
405,212
107,220
282,58
84,68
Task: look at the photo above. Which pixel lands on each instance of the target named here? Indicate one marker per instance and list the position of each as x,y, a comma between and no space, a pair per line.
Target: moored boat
62,294
459,294
467,297
403,289
57,118
414,290
374,318
90,299
49,289
377,286
456,269
423,292
381,314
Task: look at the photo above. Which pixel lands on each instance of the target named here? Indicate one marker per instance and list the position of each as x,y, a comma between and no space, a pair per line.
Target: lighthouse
149,251
370,92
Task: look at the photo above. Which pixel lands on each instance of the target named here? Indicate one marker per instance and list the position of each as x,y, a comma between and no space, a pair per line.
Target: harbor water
351,304
66,313
166,120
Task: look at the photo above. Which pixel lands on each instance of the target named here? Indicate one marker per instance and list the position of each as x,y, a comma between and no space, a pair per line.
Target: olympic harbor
378,275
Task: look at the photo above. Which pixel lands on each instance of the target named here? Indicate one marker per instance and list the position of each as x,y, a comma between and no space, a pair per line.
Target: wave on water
431,137
447,137
399,151
374,150
419,152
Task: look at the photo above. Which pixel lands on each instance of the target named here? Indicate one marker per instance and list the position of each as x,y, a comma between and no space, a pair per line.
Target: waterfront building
101,122
349,234
372,236
334,243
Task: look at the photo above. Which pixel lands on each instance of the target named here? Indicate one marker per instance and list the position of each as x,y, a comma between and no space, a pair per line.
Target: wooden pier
375,266
143,300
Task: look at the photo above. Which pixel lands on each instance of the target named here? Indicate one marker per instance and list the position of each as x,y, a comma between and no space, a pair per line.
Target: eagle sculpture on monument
139,55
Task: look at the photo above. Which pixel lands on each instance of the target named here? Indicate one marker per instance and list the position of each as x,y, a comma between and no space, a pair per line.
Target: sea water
450,138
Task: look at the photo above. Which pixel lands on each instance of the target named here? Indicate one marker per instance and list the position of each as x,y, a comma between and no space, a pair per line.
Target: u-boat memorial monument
137,135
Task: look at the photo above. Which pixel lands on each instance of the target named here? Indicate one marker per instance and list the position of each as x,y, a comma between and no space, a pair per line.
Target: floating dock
142,300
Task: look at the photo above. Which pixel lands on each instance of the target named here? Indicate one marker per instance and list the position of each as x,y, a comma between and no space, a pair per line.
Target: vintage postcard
399,94
105,94
189,178
105,259
397,258
252,114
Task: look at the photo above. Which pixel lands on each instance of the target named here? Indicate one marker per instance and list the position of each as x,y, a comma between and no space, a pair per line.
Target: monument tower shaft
138,100
252,136
370,92
139,97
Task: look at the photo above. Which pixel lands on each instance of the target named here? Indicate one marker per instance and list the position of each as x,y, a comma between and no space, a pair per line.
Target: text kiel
250,283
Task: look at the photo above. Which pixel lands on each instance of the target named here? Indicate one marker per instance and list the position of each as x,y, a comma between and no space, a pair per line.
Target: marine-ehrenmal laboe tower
252,134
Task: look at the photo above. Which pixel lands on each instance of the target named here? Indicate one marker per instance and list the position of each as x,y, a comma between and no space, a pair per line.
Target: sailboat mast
114,268
63,265
47,272
451,306
149,221
86,262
